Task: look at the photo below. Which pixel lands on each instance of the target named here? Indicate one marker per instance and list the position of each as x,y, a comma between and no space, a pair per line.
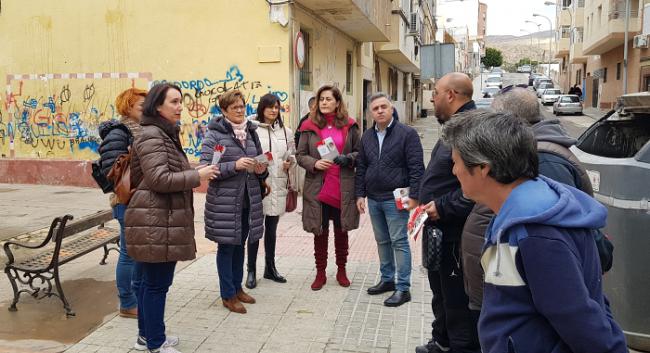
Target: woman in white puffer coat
278,139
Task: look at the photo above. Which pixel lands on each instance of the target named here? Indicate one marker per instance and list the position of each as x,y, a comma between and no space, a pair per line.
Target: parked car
532,77
567,104
524,69
542,83
550,96
483,102
494,82
489,92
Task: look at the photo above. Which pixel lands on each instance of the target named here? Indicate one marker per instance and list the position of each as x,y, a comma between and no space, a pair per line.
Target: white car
494,81
567,104
550,96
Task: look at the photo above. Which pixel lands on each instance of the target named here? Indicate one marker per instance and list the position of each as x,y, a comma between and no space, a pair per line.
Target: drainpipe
627,28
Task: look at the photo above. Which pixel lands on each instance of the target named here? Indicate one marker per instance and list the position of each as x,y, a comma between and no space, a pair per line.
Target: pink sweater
330,193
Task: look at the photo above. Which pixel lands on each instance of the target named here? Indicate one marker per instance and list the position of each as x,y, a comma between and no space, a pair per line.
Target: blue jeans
128,273
156,279
389,226
230,262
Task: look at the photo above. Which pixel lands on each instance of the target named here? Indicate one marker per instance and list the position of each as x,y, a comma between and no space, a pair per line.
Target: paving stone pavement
287,317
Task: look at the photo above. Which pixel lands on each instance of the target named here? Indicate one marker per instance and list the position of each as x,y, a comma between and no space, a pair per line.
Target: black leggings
270,235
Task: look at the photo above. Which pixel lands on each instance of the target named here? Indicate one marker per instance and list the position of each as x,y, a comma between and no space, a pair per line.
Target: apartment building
590,43
62,75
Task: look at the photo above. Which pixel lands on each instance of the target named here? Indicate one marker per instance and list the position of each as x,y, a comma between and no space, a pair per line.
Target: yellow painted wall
74,57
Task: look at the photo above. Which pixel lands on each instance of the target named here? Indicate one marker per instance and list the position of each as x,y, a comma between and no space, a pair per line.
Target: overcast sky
503,17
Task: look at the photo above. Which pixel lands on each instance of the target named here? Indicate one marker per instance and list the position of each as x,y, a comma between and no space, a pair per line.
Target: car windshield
493,79
570,99
552,91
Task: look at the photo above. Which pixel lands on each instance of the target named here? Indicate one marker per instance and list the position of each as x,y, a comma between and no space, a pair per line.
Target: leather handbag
431,247
292,197
120,175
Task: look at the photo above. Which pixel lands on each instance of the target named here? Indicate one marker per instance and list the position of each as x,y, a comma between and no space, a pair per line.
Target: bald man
454,328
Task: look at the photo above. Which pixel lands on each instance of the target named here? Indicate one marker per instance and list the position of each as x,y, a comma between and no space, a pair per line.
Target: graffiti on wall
201,102
57,115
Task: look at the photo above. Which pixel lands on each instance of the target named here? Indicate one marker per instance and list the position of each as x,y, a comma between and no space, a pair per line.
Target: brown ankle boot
234,305
245,298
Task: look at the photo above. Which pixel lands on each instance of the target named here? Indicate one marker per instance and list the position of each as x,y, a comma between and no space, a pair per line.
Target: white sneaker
141,343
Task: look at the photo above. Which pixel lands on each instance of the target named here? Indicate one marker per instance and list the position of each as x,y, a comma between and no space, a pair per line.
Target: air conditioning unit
640,41
414,25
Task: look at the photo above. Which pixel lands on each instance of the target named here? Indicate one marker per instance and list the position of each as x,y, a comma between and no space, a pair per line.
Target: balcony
400,50
608,31
564,16
363,20
561,47
575,54
578,17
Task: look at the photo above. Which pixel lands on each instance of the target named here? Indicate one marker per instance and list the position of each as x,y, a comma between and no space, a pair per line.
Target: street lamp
539,29
531,42
550,44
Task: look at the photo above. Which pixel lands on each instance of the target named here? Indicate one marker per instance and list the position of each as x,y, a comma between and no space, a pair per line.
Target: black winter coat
232,191
399,165
439,184
116,139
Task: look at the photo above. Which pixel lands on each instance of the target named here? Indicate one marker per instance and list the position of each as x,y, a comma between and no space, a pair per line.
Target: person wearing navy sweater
543,285
390,157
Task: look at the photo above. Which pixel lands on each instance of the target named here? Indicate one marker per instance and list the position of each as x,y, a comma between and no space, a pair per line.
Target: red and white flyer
416,221
265,158
401,198
327,149
219,150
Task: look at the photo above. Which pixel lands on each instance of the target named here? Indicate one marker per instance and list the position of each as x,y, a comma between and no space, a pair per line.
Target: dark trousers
454,325
230,262
270,236
152,295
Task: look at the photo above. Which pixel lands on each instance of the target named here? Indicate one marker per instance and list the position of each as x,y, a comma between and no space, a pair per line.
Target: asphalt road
575,125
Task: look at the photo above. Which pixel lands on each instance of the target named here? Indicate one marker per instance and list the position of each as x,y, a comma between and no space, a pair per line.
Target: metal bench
35,271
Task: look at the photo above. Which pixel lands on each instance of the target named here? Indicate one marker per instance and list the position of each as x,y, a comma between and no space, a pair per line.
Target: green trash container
615,151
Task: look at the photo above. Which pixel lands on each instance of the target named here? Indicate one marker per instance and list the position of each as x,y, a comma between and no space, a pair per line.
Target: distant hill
515,48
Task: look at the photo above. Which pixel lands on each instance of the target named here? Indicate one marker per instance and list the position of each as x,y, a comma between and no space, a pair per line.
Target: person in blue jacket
543,284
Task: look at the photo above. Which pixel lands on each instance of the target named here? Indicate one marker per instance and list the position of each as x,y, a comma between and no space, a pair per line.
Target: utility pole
627,28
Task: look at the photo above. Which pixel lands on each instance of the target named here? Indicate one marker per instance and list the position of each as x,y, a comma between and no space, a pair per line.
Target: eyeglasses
237,107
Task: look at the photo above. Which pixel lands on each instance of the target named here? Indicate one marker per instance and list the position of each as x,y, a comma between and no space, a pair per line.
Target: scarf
240,130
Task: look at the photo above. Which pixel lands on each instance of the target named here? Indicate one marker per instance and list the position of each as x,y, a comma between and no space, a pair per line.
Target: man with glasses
455,325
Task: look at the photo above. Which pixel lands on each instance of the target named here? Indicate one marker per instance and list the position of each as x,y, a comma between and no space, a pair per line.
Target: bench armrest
58,224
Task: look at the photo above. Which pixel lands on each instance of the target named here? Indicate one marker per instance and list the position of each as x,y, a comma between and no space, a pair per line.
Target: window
618,71
405,86
392,84
348,72
305,72
604,75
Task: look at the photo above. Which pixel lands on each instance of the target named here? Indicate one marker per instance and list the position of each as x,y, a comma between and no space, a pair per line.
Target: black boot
270,272
251,281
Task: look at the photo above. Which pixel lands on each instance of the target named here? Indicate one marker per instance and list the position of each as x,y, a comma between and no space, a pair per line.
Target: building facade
63,72
590,43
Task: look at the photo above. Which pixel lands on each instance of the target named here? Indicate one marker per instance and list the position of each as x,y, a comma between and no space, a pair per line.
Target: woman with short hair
233,206
117,138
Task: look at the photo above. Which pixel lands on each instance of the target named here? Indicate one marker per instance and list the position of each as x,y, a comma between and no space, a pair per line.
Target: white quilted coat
275,202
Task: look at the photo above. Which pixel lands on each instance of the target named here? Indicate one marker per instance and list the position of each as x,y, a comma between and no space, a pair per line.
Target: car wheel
554,112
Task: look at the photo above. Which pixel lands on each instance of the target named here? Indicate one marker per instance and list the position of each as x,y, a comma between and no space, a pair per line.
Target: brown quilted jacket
159,221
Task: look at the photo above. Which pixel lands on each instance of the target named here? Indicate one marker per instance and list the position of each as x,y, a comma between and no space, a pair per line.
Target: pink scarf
240,130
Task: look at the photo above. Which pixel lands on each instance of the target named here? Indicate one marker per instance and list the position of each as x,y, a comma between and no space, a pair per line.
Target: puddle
45,319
